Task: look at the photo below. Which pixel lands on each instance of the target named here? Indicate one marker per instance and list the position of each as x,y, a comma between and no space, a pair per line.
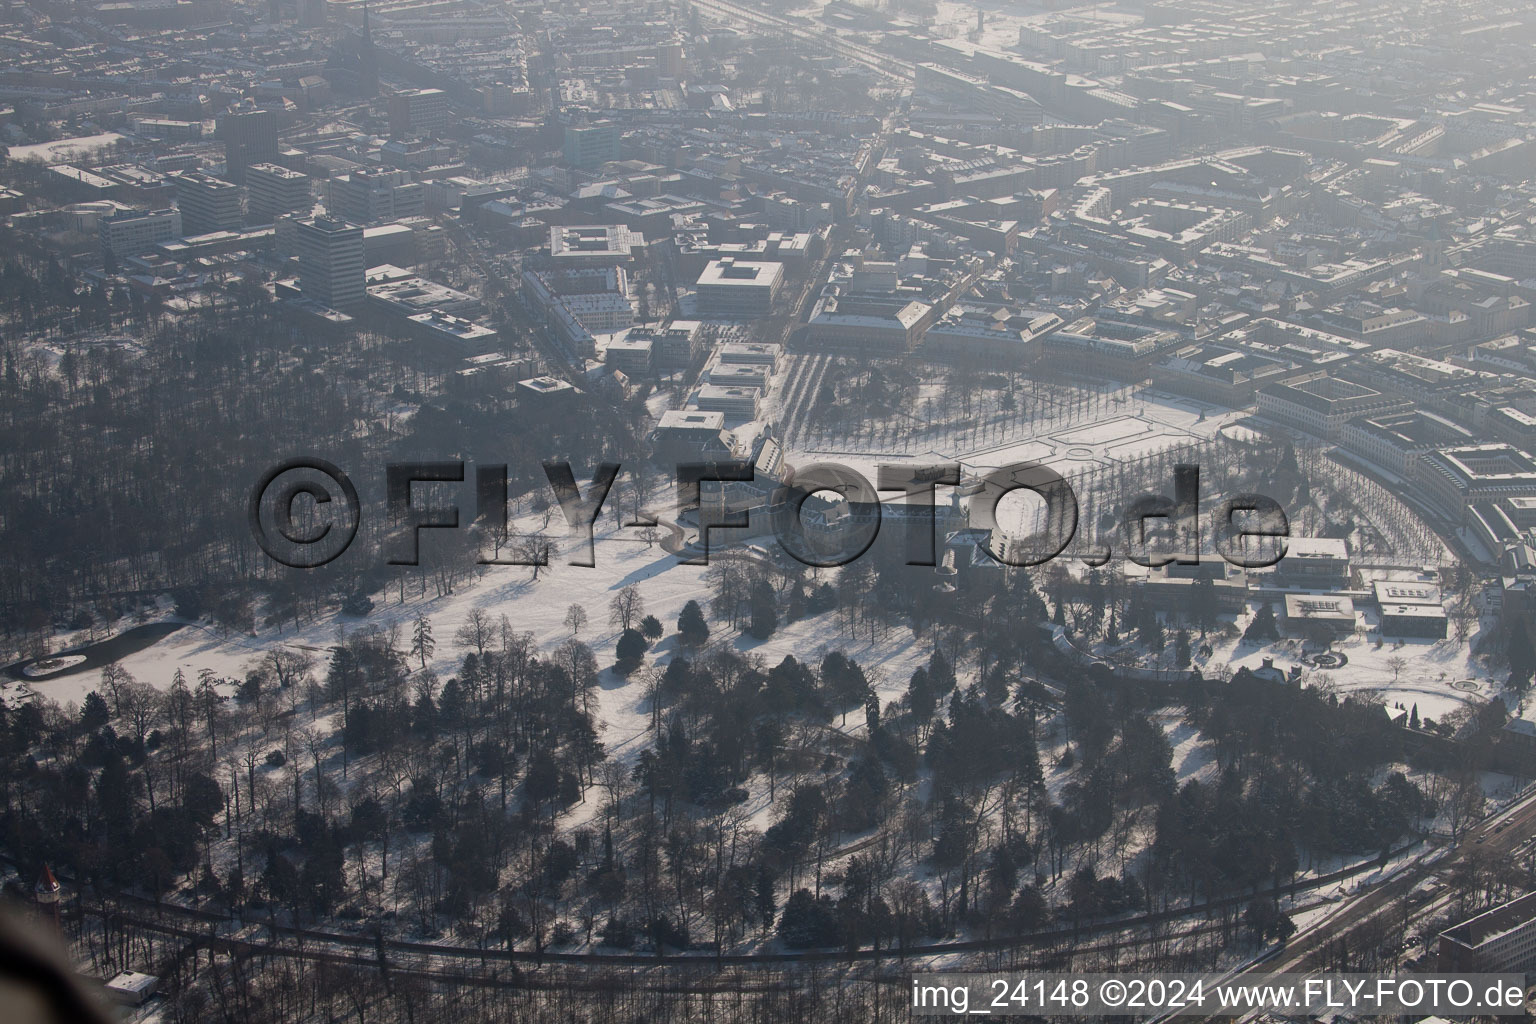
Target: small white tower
47,892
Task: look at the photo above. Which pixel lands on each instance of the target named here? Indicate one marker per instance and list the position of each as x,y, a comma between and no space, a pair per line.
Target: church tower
368,60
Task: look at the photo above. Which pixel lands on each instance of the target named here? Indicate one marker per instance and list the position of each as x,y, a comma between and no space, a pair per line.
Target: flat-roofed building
1454,479
273,190
731,289
1175,585
419,112
1396,441
1221,375
1405,592
631,356
331,262
1410,608
1321,404
591,145
207,203
249,133
675,345
1421,621
653,213
1307,612
593,245
692,435
132,988
546,392
731,400
450,338
738,375
398,291
130,232
370,196
750,353
86,184
1321,562
390,243
1100,348
896,333
1501,939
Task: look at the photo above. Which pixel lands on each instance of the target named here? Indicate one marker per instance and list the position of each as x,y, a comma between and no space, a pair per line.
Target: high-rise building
418,112
207,203
669,59
331,269
273,191
367,197
250,137
589,146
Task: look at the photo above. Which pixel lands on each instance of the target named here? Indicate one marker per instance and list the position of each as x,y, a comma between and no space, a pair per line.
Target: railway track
436,962
828,41
1498,836
170,918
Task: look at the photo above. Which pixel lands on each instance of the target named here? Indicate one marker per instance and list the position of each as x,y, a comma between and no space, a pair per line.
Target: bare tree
114,678
535,551
627,606
477,632
288,666
576,619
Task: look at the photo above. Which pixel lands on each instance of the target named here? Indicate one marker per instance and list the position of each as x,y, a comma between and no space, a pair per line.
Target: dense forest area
127,464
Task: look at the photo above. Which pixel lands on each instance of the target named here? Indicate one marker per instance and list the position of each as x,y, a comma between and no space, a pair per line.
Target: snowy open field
622,558
1429,669
1154,422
